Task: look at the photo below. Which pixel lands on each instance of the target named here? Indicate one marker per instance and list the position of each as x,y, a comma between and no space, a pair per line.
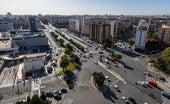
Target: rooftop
165,26
5,44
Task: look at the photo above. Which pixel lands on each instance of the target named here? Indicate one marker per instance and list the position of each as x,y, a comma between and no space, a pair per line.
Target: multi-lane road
130,70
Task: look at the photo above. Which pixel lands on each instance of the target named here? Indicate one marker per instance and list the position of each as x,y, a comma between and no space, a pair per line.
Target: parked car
132,100
49,69
116,87
106,77
63,90
95,61
165,94
49,94
162,78
125,99
107,67
147,73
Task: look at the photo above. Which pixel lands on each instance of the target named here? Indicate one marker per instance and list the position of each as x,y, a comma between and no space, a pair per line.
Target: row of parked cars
56,94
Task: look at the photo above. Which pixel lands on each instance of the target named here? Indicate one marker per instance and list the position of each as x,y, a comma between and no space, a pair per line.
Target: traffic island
97,79
95,86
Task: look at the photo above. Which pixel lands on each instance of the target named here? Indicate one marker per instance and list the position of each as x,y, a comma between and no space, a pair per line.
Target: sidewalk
164,85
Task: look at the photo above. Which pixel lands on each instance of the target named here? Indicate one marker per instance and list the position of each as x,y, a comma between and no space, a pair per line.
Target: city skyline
81,7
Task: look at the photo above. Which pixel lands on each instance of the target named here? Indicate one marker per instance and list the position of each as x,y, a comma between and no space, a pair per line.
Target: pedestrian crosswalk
68,101
84,83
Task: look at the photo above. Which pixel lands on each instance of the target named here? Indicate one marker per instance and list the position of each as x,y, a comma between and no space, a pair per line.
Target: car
116,87
57,97
147,73
49,69
106,77
162,78
132,100
53,64
107,67
58,92
143,83
100,52
125,100
49,94
101,60
63,90
165,94
95,61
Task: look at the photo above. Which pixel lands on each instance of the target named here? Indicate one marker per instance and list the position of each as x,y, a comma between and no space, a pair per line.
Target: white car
143,83
106,77
95,61
116,87
124,99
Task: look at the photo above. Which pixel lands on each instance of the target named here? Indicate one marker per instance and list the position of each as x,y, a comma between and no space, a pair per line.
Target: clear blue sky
117,7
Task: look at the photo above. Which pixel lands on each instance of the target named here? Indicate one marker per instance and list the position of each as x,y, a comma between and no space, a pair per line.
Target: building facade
164,33
33,24
141,34
74,24
4,27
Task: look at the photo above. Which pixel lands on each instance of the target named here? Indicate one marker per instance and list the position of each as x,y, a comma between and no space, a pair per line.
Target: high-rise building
115,31
164,33
141,34
4,27
74,24
99,29
33,24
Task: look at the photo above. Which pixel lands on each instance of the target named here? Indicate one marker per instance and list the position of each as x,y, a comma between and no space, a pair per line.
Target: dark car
162,78
100,52
132,100
57,97
49,94
63,90
49,69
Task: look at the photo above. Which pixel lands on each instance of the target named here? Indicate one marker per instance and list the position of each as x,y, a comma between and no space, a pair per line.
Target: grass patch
70,67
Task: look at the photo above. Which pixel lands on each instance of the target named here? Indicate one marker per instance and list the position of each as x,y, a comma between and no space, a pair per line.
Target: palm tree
64,63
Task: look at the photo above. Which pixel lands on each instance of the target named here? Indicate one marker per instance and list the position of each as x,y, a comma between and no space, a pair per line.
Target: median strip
113,73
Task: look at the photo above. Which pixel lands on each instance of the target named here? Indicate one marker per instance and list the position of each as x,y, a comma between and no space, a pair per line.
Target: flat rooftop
4,44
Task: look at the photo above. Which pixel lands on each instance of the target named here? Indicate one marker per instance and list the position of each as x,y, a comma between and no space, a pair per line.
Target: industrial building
24,42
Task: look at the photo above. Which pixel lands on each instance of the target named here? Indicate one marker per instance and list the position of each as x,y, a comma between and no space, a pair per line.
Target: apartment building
164,33
141,34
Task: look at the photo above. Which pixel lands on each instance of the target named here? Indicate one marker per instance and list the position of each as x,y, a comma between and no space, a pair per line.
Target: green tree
35,100
43,96
64,62
75,58
98,78
106,43
61,42
116,56
163,62
68,49
47,102
131,41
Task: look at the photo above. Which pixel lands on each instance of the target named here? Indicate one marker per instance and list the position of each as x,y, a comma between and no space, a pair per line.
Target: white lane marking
114,83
